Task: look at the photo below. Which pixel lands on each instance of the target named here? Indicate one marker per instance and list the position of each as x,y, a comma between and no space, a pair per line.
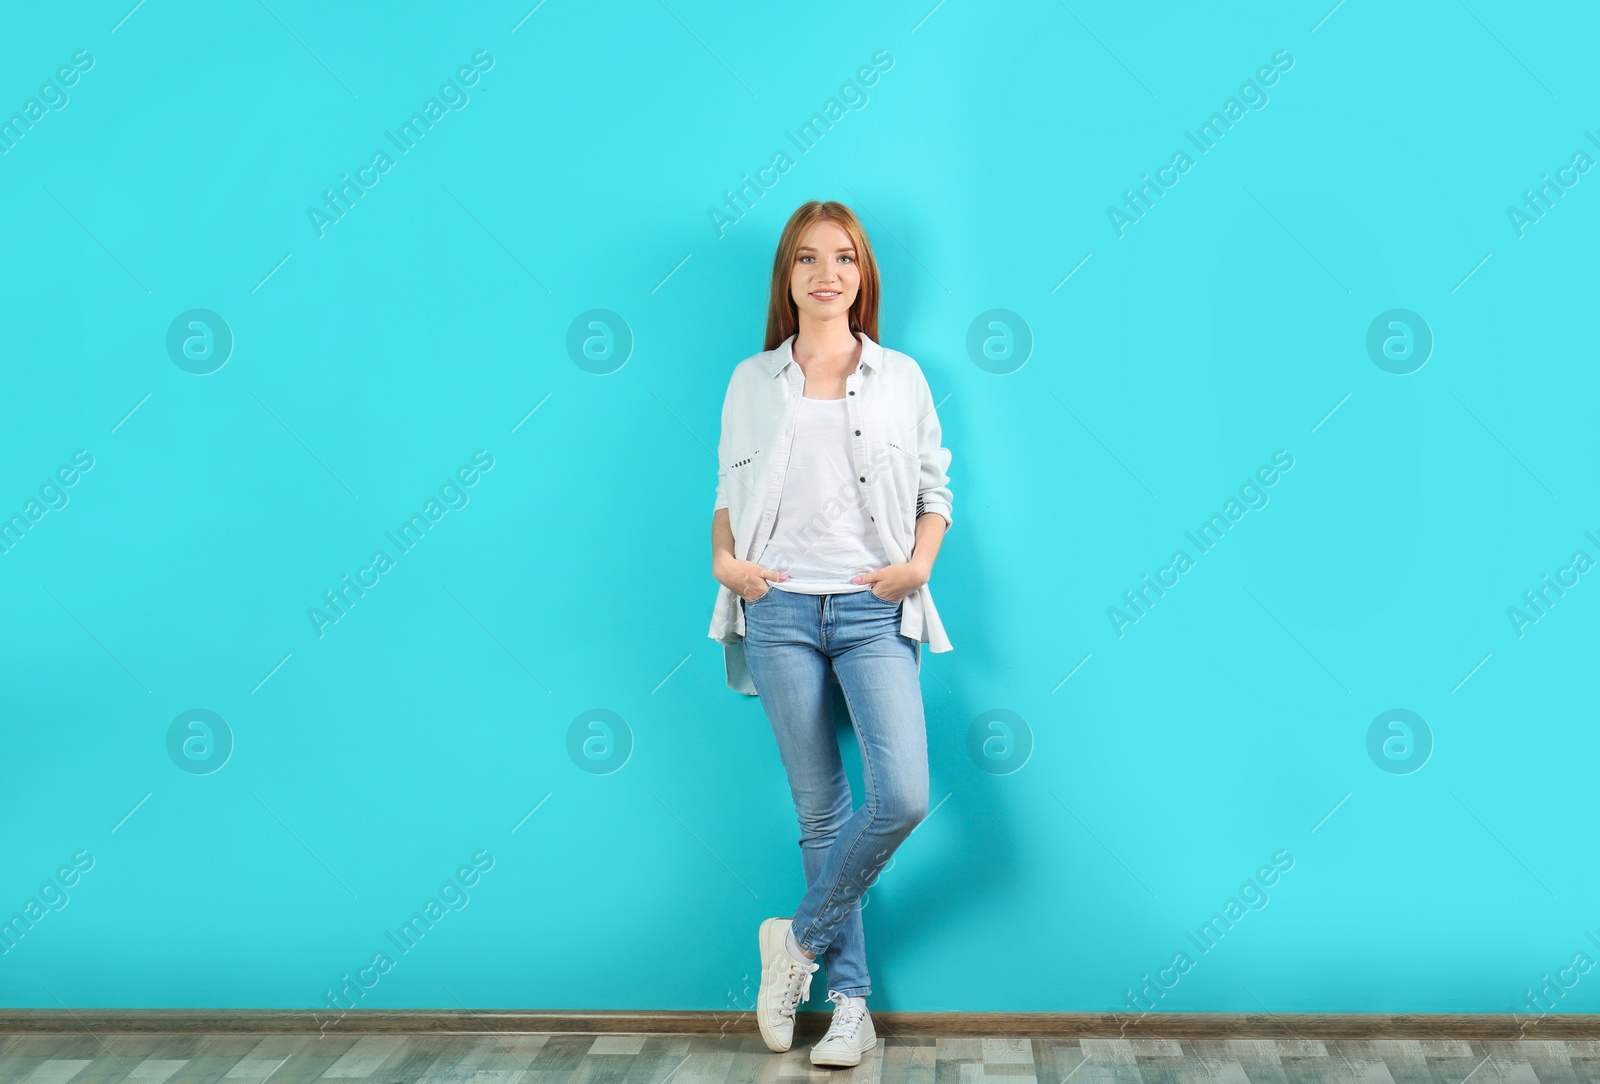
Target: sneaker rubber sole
840,1059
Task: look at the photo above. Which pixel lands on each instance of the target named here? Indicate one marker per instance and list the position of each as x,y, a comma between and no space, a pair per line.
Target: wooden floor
739,1059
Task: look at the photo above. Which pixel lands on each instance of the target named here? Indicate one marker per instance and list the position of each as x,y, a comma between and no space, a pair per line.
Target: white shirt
895,452
822,535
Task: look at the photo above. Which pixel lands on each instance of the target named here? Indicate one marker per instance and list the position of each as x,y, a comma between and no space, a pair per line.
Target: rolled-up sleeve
933,480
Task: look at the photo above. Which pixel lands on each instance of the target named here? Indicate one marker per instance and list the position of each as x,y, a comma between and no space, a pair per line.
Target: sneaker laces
847,1016
796,987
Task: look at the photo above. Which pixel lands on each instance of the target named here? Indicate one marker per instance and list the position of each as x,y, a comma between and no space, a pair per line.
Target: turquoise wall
1341,325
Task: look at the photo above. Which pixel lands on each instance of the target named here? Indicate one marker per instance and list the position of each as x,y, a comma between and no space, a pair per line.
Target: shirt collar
783,354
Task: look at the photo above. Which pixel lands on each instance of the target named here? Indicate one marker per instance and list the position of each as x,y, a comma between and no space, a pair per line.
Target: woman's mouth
824,295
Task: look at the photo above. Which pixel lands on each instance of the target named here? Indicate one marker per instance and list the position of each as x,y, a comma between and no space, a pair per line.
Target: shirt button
852,393
858,432
863,477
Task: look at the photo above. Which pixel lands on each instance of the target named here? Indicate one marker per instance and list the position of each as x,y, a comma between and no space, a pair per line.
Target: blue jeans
794,645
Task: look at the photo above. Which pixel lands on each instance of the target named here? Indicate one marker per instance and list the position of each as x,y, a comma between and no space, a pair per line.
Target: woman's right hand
743,577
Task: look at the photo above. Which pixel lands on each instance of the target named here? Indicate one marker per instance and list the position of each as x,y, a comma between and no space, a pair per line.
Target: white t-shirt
822,535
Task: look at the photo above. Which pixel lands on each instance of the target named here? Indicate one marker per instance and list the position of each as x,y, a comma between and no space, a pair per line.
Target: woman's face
825,278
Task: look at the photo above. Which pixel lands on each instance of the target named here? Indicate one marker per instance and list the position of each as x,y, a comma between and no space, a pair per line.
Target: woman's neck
825,340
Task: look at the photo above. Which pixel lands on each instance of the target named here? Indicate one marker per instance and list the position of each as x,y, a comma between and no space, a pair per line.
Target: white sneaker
849,1036
785,982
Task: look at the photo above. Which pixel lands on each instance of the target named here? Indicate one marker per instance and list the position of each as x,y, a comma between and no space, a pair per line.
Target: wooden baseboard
1469,1026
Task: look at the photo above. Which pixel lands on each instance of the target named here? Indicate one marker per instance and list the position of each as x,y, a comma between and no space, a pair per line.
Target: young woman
832,501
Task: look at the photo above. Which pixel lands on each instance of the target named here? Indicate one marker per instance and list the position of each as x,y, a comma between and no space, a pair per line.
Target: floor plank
737,1058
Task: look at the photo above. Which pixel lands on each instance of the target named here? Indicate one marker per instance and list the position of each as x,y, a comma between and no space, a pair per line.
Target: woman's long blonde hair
783,319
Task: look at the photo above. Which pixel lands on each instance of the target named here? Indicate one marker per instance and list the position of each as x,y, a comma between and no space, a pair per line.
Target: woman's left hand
892,583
